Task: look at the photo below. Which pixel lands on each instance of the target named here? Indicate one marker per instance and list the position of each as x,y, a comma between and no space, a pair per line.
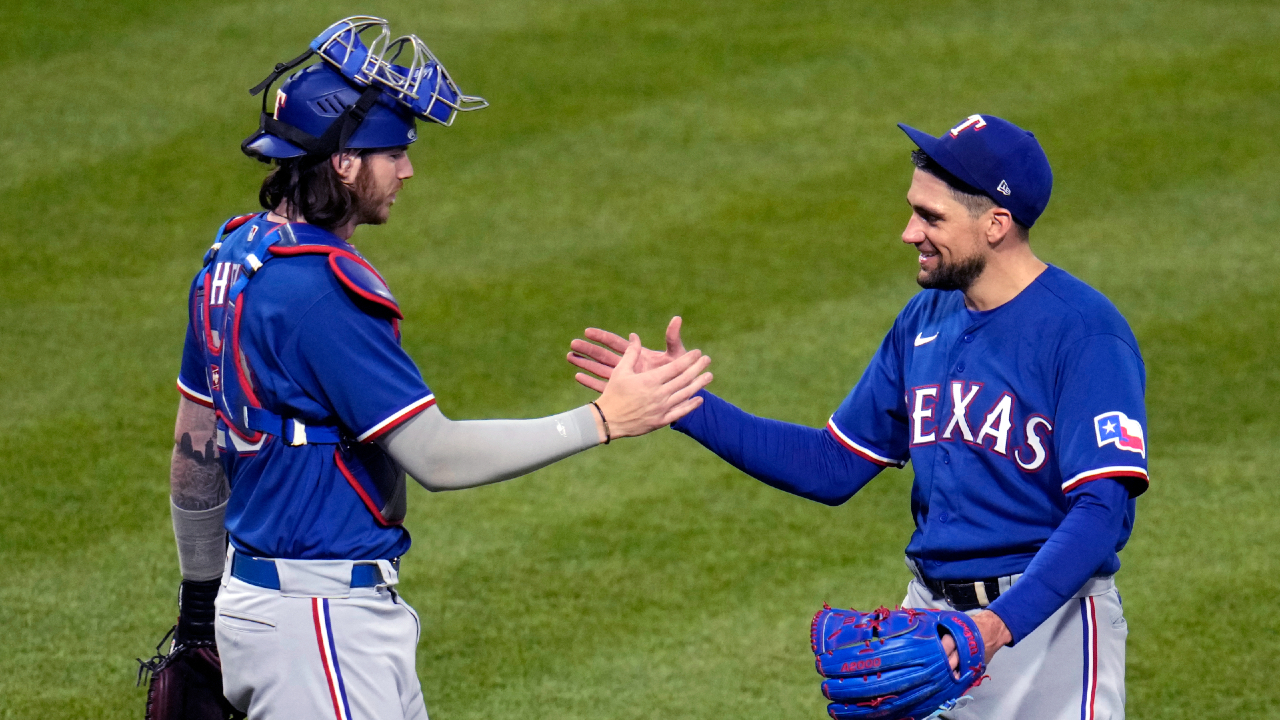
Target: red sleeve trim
194,396
1125,473
859,450
396,419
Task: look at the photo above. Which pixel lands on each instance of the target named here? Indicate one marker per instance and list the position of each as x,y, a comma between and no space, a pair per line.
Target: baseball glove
186,682
890,665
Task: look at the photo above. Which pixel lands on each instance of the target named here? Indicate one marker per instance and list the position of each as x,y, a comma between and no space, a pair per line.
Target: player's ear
1000,225
347,165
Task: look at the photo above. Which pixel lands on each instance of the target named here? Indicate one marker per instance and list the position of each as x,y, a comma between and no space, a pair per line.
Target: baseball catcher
894,664
302,416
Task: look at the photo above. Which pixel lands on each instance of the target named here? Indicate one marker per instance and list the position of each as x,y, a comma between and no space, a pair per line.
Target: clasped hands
640,389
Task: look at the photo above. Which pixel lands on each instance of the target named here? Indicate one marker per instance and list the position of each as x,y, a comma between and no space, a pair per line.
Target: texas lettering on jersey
952,416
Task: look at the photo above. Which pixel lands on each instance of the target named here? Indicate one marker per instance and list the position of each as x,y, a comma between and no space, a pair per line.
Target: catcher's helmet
358,97
312,100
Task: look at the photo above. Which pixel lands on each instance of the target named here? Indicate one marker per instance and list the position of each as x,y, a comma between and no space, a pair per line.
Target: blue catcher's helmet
311,100
358,97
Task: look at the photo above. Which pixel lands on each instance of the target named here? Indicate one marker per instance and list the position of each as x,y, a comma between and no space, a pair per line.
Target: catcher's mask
358,97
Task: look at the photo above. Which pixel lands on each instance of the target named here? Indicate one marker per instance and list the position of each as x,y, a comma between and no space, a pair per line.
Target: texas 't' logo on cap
994,157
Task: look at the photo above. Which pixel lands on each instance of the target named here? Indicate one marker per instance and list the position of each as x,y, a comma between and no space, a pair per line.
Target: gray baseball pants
1069,668
317,648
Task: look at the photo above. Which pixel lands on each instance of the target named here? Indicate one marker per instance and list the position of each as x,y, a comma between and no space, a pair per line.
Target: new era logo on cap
993,156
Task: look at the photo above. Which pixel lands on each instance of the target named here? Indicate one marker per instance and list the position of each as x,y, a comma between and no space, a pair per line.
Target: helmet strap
335,137
281,68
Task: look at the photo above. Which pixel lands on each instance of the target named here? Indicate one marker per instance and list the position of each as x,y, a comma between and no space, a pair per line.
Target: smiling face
380,176
953,248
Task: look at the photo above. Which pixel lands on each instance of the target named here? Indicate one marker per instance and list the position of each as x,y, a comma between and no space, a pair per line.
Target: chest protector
241,247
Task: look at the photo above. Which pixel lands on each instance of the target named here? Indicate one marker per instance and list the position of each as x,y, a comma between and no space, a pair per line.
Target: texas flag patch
1117,428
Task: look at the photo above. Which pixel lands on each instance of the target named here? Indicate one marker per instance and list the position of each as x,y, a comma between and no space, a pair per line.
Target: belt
966,595
262,572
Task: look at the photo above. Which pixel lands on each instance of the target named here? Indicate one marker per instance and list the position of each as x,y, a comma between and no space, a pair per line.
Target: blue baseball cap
996,158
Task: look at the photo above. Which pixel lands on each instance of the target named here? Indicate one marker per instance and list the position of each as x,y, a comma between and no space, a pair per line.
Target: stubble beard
958,275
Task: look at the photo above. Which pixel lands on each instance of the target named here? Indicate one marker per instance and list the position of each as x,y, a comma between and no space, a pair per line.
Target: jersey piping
396,418
193,396
860,450
1113,471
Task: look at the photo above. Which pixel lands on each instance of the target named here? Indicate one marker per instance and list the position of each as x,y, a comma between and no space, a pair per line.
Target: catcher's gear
890,664
186,682
359,96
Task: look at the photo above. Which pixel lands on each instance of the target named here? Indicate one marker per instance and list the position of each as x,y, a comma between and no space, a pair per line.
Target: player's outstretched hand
636,401
600,359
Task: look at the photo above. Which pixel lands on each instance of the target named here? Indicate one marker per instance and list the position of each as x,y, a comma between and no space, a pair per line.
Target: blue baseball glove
890,665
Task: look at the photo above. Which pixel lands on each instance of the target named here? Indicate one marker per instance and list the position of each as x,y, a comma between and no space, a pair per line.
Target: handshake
640,389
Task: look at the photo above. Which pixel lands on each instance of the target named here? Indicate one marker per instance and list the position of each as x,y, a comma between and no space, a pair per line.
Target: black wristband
607,436
196,611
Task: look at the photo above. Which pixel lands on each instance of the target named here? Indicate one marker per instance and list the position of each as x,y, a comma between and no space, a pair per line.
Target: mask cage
421,84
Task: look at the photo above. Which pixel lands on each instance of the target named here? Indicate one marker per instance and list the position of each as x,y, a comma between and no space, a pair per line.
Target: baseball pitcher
1016,392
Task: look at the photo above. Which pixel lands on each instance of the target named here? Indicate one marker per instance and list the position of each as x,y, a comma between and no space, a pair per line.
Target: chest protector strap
242,246
291,430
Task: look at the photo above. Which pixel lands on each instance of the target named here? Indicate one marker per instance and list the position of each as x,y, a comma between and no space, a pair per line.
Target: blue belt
260,572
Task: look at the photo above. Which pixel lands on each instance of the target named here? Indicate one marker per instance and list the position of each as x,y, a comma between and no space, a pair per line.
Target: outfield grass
733,162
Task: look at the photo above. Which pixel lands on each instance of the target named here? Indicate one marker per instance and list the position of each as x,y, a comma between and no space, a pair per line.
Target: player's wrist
995,633
602,423
196,611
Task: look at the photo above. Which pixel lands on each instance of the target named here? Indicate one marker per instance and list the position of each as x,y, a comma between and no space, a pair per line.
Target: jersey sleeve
872,420
801,460
1094,530
1100,428
193,383
355,365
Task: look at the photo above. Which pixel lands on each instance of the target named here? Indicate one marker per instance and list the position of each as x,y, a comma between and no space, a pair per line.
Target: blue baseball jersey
309,350
1002,414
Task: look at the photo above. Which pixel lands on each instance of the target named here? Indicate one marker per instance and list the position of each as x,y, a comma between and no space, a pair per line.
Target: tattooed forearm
196,481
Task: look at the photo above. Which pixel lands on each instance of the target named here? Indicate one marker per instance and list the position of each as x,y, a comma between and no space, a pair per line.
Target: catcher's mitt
890,663
186,682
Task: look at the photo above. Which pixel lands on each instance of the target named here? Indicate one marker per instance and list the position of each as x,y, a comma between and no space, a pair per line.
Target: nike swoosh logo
922,340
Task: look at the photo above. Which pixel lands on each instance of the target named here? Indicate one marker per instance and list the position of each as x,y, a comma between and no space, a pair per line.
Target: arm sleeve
444,454
1085,539
202,541
804,461
352,362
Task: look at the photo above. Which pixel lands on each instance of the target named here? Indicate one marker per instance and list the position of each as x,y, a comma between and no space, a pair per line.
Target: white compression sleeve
202,541
444,454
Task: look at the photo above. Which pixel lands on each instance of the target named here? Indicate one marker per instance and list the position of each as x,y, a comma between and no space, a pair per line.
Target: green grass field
734,162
